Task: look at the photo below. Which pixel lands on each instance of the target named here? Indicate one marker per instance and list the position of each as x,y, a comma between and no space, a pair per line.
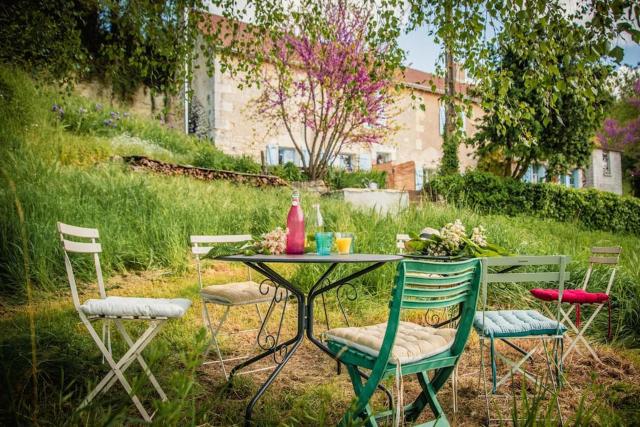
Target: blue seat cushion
515,323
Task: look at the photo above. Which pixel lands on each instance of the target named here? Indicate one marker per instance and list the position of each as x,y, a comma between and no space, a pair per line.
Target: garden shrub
592,208
337,179
288,171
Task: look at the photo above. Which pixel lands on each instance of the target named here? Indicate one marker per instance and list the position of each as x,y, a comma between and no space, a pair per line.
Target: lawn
53,170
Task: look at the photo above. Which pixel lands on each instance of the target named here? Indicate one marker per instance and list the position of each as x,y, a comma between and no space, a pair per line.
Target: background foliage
597,210
542,101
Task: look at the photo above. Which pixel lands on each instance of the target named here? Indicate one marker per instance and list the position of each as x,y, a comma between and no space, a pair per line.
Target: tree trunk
450,163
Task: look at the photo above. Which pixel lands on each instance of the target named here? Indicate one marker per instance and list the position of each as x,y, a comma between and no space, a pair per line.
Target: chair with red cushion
578,297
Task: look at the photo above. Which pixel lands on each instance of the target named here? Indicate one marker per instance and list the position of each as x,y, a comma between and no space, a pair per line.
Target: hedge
592,208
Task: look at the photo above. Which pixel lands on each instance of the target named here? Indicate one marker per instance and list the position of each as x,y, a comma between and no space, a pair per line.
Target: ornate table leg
318,289
281,352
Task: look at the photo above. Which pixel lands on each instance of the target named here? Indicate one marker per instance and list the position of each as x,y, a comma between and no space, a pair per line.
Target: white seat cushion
413,342
240,293
136,307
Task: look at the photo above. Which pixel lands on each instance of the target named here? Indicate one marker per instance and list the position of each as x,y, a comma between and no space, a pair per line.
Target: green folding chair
397,348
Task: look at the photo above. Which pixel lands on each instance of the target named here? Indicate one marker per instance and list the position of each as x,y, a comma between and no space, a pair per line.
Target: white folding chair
401,239
232,294
608,256
116,309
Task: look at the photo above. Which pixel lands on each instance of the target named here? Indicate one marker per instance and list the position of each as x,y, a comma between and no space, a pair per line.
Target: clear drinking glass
324,241
344,242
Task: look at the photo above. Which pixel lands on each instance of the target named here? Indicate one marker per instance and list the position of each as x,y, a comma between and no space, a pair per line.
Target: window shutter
271,155
288,156
297,158
542,173
365,162
577,182
305,156
528,175
442,119
419,178
463,118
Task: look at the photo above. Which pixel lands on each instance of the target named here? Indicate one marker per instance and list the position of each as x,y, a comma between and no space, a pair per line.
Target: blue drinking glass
324,241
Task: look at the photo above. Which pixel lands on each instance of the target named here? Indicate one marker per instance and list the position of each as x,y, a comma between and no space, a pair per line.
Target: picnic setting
319,213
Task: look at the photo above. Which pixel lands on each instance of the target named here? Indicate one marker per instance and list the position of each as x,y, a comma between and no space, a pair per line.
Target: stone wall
400,176
142,103
595,175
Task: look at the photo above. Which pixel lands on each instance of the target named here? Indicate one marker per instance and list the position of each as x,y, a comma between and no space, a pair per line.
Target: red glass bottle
295,227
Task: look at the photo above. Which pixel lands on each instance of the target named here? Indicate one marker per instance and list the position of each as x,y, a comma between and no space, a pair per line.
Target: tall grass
145,219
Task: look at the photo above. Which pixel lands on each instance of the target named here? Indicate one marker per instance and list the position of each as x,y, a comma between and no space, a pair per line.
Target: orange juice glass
343,243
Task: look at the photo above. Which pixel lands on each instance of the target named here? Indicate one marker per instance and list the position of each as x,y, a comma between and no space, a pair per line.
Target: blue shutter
528,175
364,163
297,158
271,155
577,183
442,119
288,155
419,178
542,173
565,181
305,156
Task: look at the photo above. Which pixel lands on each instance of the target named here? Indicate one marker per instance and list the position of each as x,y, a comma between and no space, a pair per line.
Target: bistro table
282,351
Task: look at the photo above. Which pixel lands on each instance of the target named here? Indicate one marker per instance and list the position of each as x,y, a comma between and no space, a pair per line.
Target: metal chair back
202,244
91,246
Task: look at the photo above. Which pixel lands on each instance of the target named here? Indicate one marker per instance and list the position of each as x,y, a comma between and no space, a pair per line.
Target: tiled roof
416,79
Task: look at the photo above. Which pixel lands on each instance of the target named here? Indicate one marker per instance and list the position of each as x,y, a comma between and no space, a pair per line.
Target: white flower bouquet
271,243
452,241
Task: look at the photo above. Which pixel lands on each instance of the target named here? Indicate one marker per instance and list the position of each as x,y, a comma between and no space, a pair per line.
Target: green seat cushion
515,323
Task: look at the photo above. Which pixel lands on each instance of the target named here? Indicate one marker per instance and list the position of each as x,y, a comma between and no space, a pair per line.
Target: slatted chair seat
232,294
571,296
114,306
413,342
515,323
239,293
600,256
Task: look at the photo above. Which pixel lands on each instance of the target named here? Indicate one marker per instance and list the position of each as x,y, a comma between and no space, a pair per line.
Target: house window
346,161
534,174
286,155
443,114
383,158
606,163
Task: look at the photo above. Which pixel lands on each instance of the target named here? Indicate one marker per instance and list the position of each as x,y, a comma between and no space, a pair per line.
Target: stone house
604,172
231,121
235,126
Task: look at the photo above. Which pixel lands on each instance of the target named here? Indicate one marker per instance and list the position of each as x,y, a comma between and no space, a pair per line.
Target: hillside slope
59,166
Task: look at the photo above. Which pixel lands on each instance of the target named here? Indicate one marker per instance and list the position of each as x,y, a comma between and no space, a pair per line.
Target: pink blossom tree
624,132
332,84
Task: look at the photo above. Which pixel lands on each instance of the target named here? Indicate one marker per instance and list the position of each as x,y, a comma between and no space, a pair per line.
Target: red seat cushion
572,296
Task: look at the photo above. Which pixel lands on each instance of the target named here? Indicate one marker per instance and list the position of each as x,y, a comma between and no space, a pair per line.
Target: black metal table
282,351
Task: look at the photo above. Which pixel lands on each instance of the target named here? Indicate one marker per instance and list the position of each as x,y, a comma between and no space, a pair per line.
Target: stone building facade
605,171
236,128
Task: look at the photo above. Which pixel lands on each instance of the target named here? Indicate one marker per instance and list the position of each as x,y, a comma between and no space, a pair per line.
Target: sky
422,53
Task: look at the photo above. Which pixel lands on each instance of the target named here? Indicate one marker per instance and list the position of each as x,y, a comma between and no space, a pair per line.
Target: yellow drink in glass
344,245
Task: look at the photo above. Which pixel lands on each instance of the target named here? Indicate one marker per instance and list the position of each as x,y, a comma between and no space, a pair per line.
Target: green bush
594,209
340,178
288,171
211,157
